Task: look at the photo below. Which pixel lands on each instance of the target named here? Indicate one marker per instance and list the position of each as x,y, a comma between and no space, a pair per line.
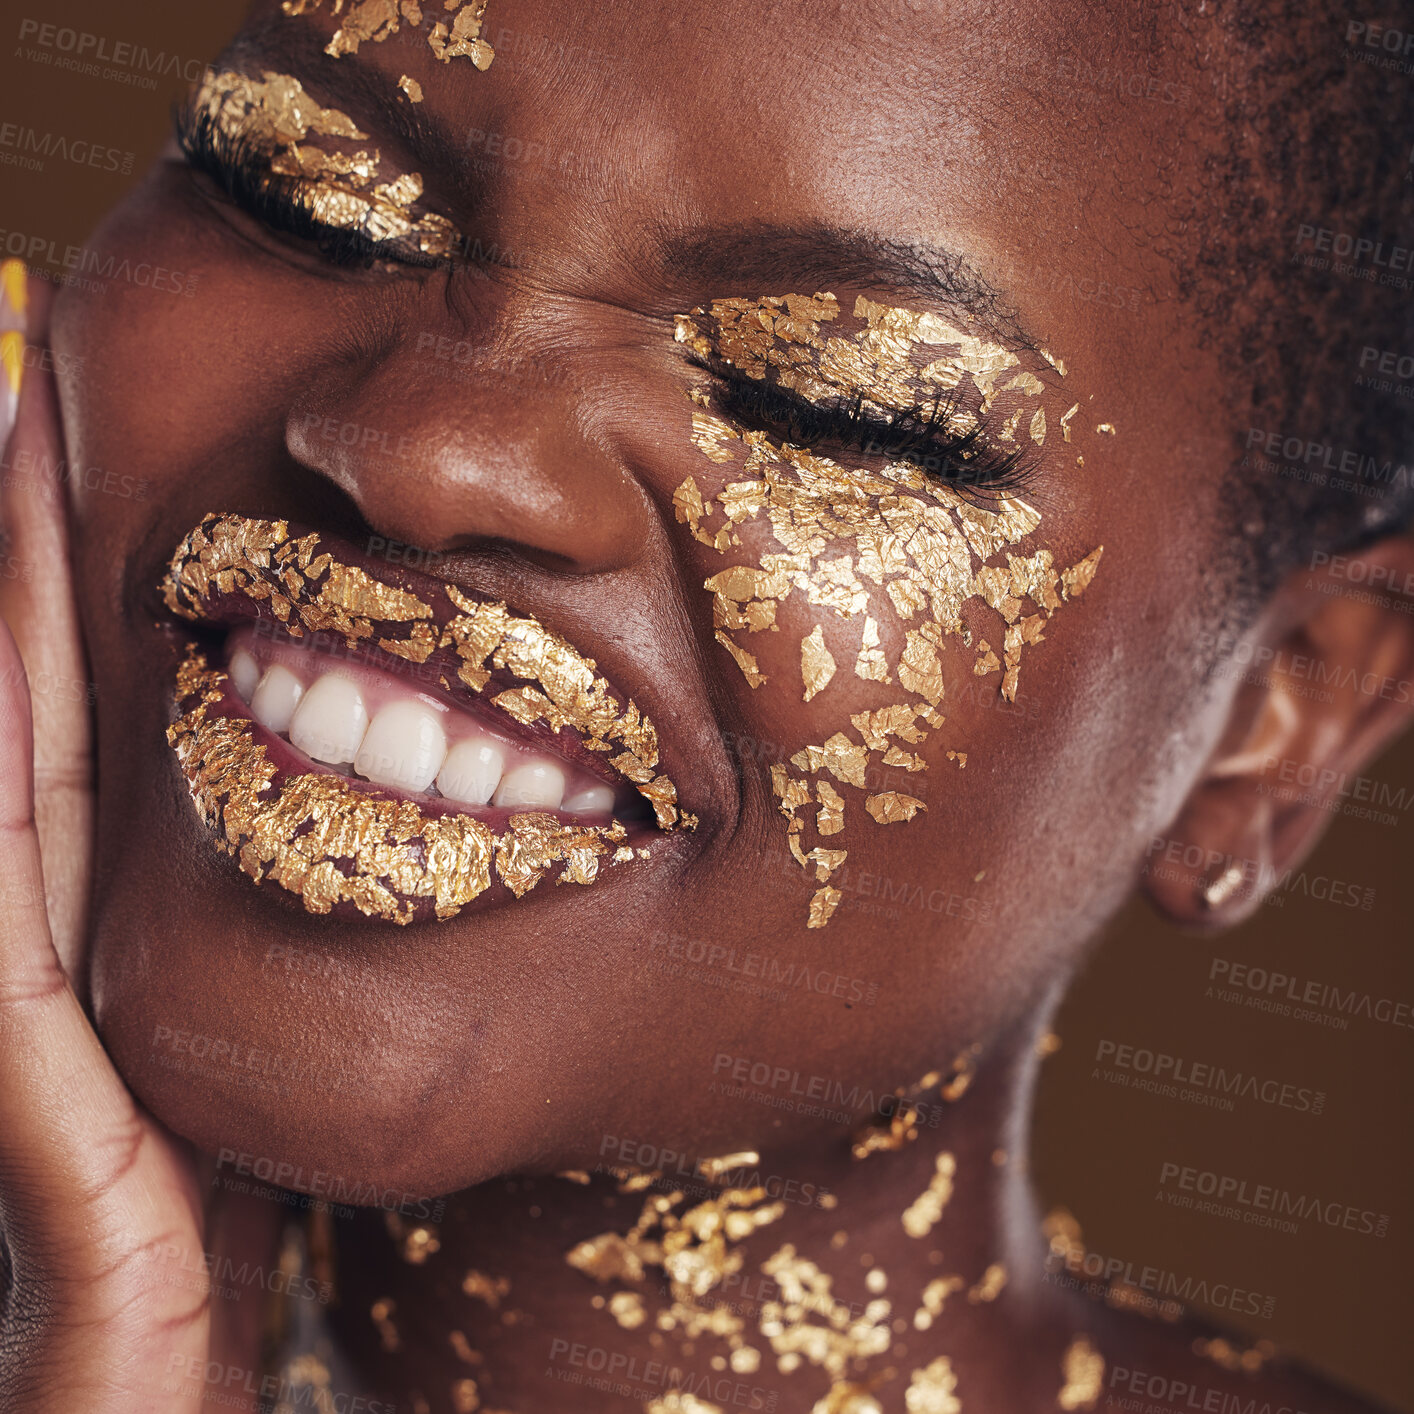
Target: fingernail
14,300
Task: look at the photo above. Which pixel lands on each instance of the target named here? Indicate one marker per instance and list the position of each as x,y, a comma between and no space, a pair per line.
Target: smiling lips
457,738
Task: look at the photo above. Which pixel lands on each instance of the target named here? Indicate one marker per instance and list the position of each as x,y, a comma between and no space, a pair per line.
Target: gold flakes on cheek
817,665
890,807
991,1285
411,88
844,535
1083,1368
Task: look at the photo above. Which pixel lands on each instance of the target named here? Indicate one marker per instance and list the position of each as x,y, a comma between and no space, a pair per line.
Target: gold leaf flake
923,1214
1065,420
1038,427
890,807
1083,1368
830,818
823,903
871,664
930,1391
817,664
412,88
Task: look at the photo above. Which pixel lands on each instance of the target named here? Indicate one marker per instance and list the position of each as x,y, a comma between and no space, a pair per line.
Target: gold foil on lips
924,1213
810,1322
373,21
321,838
277,117
310,590
1084,1370
865,543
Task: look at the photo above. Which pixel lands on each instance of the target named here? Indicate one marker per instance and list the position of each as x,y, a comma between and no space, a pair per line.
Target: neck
805,1272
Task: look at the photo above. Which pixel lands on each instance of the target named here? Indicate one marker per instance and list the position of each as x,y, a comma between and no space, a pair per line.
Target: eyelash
242,170
920,436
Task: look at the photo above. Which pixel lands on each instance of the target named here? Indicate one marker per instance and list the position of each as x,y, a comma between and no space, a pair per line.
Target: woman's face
630,382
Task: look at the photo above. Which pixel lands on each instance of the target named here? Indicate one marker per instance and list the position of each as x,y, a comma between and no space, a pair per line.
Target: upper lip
232,568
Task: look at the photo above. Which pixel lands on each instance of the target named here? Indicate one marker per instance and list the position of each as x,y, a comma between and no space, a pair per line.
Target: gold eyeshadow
277,119
862,545
898,361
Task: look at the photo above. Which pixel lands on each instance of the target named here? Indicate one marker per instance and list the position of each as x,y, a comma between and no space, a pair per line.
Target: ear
1325,685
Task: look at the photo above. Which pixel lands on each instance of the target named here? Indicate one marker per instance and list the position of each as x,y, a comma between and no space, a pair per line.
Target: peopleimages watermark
1306,459
1165,1289
1170,1075
1174,861
228,1279
649,1159
97,56
336,1188
22,146
218,1383
629,1377
780,1087
75,264
719,965
1180,1394
1261,1204
1280,992
1338,792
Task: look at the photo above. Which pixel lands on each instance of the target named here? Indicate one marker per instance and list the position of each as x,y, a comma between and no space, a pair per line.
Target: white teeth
403,747
595,800
274,700
537,783
244,673
330,720
472,771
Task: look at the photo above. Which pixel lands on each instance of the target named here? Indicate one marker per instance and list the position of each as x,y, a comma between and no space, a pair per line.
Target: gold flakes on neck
930,1391
1084,1370
924,1213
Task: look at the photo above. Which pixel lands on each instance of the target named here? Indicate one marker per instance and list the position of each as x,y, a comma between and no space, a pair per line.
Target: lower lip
347,847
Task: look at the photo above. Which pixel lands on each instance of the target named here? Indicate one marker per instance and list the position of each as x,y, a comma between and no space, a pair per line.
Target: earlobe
1326,686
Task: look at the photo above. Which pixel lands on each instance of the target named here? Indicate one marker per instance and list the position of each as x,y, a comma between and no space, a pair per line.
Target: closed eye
922,435
280,202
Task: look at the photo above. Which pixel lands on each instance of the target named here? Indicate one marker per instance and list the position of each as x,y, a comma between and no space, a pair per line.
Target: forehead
919,115
1030,141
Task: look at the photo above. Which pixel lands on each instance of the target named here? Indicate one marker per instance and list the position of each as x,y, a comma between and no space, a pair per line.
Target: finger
36,599
69,1131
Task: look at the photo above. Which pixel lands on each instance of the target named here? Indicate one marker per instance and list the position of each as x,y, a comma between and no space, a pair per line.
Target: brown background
1340,1303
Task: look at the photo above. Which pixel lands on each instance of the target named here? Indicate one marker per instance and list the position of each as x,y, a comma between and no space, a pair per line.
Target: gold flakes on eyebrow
930,1390
861,543
924,1213
373,21
817,665
1083,1368
277,117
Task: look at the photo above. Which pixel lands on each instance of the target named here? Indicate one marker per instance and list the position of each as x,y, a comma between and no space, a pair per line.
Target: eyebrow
748,259
369,95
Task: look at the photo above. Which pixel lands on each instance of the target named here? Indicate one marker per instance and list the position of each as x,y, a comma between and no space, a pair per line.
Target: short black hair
1292,257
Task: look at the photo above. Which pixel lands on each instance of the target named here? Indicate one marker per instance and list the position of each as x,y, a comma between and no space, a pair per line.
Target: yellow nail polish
14,286
12,358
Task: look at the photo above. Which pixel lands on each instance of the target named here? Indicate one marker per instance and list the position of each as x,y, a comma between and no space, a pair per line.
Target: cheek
877,624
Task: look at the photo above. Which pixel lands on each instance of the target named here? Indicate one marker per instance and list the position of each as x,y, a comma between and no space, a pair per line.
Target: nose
447,446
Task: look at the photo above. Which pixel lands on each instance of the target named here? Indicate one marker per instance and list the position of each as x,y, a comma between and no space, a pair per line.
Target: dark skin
525,1040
